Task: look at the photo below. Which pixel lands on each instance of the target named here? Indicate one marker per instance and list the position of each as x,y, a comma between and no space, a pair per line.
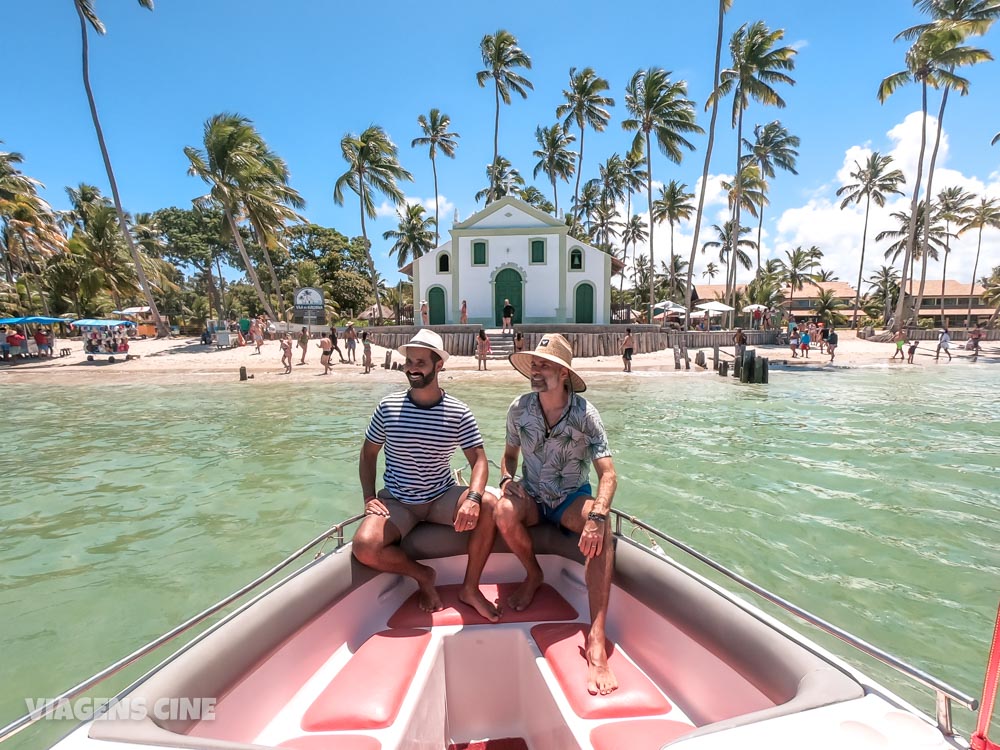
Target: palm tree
773,146
372,167
934,233
799,267
554,157
534,197
88,18
953,206
585,105
658,106
674,206
633,233
711,271
873,182
244,176
825,274
827,308
757,64
436,136
730,245
414,237
501,56
504,180
713,101
884,284
931,61
986,214
752,195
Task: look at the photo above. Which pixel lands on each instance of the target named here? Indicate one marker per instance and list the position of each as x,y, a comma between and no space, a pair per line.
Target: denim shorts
554,515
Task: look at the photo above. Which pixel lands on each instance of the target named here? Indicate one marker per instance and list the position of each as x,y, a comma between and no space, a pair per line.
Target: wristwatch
599,517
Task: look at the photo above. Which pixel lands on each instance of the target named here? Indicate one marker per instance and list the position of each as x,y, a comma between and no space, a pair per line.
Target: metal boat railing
944,692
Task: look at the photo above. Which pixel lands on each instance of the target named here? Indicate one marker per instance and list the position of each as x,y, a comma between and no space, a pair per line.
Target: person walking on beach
944,344
257,334
303,344
804,340
366,352
832,340
911,351
739,344
351,342
424,312
327,351
900,343
628,346
556,435
333,343
508,317
420,429
975,339
463,316
483,349
286,352
793,342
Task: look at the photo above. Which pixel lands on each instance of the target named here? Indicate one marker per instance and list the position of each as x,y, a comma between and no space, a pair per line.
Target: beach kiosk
105,339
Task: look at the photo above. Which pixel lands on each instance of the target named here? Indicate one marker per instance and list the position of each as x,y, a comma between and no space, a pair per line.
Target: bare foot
600,678
429,600
520,600
481,604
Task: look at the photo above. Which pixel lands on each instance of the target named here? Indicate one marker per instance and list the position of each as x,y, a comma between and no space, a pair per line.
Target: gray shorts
440,510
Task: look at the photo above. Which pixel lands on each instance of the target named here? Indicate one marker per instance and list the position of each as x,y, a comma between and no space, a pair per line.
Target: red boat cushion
333,742
562,644
506,743
645,734
368,691
548,605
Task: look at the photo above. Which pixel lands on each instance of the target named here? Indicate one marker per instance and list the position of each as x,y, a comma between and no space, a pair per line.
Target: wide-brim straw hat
426,339
555,348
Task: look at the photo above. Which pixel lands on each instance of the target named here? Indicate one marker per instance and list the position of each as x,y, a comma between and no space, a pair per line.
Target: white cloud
446,208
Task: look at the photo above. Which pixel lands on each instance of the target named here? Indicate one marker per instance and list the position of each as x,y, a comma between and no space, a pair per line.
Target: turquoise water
868,496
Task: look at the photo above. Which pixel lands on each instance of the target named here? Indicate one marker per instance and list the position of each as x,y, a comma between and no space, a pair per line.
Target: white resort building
511,250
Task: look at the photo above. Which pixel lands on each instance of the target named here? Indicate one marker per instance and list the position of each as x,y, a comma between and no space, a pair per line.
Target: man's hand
592,538
375,507
515,489
467,516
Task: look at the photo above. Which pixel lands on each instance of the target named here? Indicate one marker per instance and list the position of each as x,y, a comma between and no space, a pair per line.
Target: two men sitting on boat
556,433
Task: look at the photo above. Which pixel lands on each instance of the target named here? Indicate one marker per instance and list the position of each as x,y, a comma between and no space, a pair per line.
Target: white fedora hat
425,338
555,348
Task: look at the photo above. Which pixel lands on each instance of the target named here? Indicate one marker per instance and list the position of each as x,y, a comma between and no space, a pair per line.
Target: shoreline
182,360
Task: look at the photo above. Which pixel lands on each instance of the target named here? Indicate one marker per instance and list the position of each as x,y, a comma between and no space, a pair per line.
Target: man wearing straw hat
420,430
557,435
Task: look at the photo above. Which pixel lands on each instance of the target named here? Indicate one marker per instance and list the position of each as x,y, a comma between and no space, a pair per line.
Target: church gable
510,213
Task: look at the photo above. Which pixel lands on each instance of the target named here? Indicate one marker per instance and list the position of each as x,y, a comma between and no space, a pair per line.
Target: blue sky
307,73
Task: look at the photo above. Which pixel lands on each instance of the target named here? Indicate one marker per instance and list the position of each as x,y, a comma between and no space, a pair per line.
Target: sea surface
868,496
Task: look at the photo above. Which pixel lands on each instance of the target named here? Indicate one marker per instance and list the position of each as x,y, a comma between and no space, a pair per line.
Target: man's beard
419,379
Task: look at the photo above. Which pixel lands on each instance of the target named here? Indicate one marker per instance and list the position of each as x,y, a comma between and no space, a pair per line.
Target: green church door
584,304
507,285
435,303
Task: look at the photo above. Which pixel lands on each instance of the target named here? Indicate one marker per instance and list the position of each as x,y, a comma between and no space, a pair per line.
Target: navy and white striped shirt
419,442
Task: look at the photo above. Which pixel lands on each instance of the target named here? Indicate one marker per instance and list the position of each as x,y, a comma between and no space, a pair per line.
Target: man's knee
505,514
368,542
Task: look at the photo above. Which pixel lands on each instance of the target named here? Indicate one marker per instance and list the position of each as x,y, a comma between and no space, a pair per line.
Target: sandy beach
181,360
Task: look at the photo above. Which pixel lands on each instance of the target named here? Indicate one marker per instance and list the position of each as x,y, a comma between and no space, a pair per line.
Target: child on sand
366,352
793,342
286,352
910,352
483,348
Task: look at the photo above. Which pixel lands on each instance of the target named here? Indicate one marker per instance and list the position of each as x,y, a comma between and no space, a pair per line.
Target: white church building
511,250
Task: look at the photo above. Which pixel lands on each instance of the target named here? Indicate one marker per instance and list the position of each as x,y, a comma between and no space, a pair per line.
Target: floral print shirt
556,462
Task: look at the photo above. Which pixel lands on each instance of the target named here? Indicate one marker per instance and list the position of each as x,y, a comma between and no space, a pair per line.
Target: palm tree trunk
437,218
222,287
944,271
555,195
672,279
496,145
708,162
972,286
579,171
925,240
246,260
368,250
213,293
737,207
914,204
161,326
649,206
760,231
861,265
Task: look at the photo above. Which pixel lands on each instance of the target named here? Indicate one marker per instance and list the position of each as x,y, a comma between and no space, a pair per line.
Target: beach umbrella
387,313
714,306
751,308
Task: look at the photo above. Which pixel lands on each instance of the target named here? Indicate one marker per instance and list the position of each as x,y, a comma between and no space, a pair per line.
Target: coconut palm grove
244,241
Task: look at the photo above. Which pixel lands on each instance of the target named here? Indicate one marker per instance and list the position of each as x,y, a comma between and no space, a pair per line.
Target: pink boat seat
368,692
547,606
333,742
562,645
644,734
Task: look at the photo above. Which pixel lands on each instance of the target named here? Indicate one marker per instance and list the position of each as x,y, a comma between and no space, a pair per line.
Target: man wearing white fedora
557,435
420,429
